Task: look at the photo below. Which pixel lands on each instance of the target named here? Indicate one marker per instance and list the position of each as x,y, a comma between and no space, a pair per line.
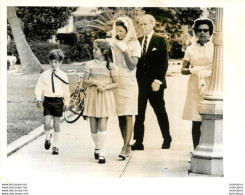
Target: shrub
84,46
176,51
80,51
41,51
66,38
12,50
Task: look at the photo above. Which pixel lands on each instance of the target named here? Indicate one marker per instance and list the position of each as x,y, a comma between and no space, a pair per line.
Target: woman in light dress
127,51
198,61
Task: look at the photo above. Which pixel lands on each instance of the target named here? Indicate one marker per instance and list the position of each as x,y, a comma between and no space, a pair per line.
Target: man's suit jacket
154,64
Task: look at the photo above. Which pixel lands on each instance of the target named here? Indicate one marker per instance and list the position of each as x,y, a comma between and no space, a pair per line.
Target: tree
41,23
171,18
30,63
38,24
106,18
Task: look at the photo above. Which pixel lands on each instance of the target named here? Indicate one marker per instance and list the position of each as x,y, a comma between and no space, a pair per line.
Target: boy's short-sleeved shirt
44,86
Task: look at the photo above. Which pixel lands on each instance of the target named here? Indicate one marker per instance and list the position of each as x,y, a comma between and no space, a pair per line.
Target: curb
26,139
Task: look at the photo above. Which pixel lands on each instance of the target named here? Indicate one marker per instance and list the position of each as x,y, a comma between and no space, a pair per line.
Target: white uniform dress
200,57
126,94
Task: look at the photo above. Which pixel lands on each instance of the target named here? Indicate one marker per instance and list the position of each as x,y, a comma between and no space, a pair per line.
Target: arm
130,61
185,68
87,82
39,91
113,85
115,82
161,61
66,91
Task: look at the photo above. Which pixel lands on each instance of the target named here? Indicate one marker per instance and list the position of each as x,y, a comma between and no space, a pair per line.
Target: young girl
100,76
53,85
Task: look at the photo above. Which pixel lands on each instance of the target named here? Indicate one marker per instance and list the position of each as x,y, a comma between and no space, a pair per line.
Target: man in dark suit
151,70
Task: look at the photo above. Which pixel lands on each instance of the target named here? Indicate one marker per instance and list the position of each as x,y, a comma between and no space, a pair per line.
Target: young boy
53,85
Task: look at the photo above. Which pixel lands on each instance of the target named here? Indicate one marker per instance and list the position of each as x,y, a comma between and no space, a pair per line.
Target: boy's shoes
47,144
55,151
96,154
101,160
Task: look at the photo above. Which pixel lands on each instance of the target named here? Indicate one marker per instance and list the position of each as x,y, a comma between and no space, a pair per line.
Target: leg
94,131
47,127
158,104
140,118
102,126
47,122
196,133
122,125
56,131
128,128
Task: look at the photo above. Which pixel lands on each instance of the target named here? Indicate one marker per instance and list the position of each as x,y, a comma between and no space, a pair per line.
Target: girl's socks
95,138
102,142
56,139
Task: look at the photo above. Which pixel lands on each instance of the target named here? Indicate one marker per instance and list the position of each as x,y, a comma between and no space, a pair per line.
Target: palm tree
29,62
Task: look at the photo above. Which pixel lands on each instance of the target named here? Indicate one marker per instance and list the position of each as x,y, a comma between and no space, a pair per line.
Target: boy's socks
47,134
95,138
102,142
56,139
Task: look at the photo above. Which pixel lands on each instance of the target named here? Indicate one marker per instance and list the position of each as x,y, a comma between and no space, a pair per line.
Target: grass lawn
22,113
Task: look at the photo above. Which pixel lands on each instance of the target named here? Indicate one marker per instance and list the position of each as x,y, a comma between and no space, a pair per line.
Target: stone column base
207,166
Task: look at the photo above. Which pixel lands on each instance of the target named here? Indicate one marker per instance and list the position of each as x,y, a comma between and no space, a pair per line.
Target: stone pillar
208,157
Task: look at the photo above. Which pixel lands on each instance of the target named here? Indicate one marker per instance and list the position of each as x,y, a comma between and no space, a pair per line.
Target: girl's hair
56,54
201,21
120,23
106,49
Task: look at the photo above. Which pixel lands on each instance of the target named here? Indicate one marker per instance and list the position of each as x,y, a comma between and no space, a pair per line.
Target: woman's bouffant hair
56,54
199,22
120,23
106,49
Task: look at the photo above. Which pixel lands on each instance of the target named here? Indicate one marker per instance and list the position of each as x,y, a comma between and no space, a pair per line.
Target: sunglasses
204,30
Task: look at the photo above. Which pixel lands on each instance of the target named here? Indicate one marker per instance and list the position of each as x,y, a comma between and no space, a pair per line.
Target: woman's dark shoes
101,160
137,146
166,144
96,154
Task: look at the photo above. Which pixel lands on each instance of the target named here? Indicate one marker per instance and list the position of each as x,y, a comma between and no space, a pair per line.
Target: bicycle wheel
76,107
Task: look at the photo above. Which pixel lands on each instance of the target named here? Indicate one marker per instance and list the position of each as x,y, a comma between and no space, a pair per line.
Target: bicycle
76,106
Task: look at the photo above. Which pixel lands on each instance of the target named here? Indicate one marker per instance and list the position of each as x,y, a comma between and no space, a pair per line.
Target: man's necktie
52,78
144,46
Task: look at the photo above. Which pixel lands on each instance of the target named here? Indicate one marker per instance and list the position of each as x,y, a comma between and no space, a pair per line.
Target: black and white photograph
122,97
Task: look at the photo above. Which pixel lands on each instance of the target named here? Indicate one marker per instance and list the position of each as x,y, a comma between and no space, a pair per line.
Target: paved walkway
34,163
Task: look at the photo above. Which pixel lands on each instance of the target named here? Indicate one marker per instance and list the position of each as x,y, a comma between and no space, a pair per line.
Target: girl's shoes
96,154
101,160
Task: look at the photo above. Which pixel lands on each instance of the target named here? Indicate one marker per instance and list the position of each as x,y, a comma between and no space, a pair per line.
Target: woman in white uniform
198,61
127,51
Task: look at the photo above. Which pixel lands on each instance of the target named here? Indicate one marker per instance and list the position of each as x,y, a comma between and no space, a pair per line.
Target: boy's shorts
53,106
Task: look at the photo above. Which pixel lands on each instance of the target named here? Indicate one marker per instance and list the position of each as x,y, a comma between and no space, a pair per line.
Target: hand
101,88
121,45
65,108
194,70
39,104
155,86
